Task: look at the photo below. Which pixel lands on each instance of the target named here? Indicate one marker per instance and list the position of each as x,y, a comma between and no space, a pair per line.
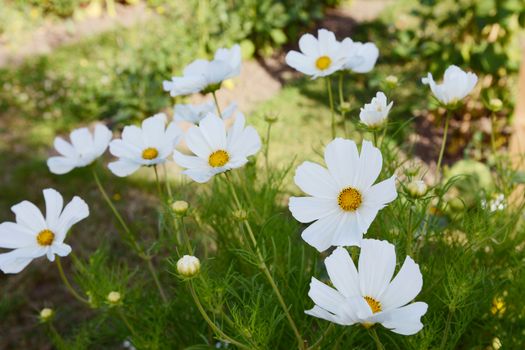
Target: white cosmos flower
217,150
456,85
202,75
149,145
33,235
194,113
360,57
344,200
369,295
374,114
84,148
319,57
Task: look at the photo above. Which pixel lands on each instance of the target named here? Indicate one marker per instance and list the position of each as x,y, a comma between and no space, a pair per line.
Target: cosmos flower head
375,113
85,147
217,150
148,145
206,76
34,235
318,57
343,200
359,57
368,295
456,85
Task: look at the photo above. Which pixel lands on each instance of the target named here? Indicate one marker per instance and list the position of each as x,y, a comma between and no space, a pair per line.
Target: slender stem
266,271
217,104
126,321
447,329
374,336
185,234
57,338
267,148
128,234
383,135
319,341
443,143
410,233
212,324
153,272
157,181
166,179
374,132
331,100
341,102
66,282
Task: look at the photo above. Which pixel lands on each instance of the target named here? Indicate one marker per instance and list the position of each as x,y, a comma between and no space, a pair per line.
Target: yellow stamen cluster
150,153
45,237
349,199
323,62
218,158
375,305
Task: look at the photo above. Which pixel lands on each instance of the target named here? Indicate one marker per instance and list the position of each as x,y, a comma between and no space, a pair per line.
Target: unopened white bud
495,104
391,81
114,298
46,314
188,266
417,188
180,207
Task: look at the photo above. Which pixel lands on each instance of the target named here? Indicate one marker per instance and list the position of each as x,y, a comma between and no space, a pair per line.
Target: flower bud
391,81
345,107
46,315
271,118
417,188
240,215
114,298
495,104
188,266
180,207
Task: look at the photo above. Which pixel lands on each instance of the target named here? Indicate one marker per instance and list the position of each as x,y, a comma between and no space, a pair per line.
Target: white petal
300,63
122,149
308,209
247,144
101,138
342,160
308,45
189,162
199,175
123,167
214,132
318,312
377,262
65,148
197,67
316,181
370,163
17,260
365,216
61,165
369,54
75,211
61,249
404,287
14,236
320,234
381,193
28,215
82,140
325,297
343,273
54,205
132,136
405,320
197,143
347,232
153,128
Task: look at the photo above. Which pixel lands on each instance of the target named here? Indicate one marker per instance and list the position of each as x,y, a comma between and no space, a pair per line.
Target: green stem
443,144
374,336
447,329
56,337
157,181
212,324
266,271
217,104
331,100
410,233
267,148
128,234
320,340
126,321
185,234
341,102
166,179
153,272
374,132
66,282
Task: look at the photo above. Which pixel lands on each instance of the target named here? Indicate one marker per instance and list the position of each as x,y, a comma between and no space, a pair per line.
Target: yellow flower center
218,158
150,153
45,237
323,62
349,199
375,305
